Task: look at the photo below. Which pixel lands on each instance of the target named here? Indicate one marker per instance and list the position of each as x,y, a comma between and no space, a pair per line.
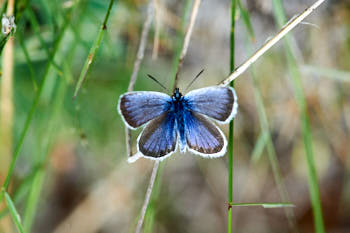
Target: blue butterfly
179,120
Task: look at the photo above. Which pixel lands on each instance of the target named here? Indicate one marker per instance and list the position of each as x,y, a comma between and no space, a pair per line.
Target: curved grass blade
34,105
246,20
305,122
14,214
28,60
93,51
259,146
334,74
265,204
36,27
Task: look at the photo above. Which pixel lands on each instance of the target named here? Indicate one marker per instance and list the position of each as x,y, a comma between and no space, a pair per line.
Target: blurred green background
72,174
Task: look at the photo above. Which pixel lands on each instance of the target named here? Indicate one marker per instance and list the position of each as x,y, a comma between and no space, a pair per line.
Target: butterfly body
179,120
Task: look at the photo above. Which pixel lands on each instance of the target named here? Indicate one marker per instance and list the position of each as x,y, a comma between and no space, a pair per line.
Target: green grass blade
14,214
34,106
334,74
305,123
93,51
231,127
246,20
271,150
28,60
20,194
33,200
259,146
35,25
265,205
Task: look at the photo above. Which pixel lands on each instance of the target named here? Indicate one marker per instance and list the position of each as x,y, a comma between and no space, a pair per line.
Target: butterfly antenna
193,80
154,79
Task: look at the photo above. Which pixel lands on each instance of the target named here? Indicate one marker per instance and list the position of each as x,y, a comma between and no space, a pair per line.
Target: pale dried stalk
148,196
6,111
187,39
142,46
157,29
287,28
156,163
139,57
6,104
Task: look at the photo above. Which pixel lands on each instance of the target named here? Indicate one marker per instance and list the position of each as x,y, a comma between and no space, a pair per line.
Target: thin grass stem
271,151
186,40
28,60
265,204
305,123
148,196
34,104
158,12
188,34
285,29
150,214
231,127
14,213
334,74
139,57
36,27
93,50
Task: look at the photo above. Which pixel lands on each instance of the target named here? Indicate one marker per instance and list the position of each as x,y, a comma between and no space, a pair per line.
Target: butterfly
177,120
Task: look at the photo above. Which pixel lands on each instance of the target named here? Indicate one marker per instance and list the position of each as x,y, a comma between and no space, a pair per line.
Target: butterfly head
177,94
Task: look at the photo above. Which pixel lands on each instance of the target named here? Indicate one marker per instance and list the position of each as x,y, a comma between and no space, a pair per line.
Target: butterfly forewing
137,108
159,137
203,137
219,103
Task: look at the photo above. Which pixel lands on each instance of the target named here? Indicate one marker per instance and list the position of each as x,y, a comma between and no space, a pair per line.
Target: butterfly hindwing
159,138
203,137
219,103
139,107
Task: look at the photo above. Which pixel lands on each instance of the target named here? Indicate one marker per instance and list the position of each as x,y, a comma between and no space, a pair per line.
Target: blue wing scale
219,103
139,107
203,137
159,138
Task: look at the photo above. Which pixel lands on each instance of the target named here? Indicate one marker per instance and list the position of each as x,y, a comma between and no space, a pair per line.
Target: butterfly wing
219,103
139,107
202,136
159,138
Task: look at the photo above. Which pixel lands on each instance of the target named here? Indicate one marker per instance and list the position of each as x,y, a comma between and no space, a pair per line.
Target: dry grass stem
187,39
6,111
158,17
135,71
287,28
142,46
148,196
156,163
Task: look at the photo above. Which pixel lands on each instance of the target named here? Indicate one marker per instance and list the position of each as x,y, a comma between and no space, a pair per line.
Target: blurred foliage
71,174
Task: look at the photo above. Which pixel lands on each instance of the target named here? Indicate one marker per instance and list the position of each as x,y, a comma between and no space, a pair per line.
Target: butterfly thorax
179,108
177,96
